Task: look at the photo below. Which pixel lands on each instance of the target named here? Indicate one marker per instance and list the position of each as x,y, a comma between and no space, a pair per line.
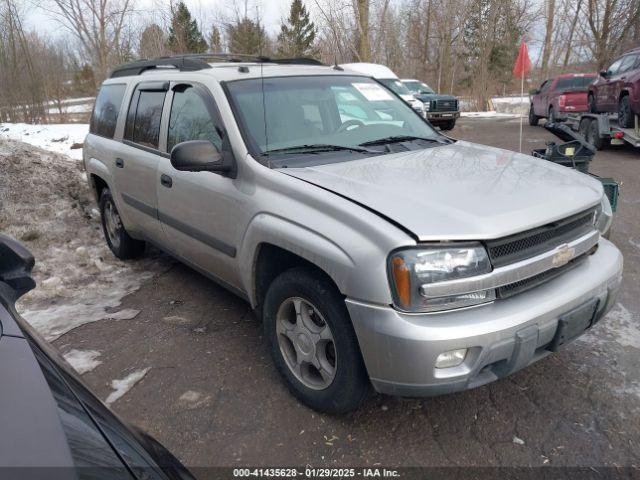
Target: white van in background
386,76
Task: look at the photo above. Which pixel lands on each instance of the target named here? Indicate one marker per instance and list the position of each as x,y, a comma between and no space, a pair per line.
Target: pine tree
297,34
152,42
247,36
184,35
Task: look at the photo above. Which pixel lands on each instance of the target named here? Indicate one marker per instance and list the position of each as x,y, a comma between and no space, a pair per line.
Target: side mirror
604,73
198,156
16,263
534,91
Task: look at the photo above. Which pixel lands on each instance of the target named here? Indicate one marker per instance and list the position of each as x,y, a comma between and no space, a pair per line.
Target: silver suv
376,250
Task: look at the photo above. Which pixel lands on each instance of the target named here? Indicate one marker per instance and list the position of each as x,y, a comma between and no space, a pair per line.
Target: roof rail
200,61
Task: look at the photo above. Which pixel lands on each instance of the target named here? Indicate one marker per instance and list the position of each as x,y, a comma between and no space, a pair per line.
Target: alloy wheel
306,343
113,224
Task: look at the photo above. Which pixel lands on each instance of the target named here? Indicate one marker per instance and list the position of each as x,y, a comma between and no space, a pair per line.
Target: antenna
335,64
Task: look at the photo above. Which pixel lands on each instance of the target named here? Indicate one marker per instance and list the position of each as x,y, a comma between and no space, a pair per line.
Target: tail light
618,135
562,101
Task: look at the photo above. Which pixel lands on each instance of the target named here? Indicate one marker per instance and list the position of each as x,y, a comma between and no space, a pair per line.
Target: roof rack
195,62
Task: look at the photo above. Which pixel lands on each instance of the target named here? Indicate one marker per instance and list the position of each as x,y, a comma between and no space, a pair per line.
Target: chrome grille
528,244
444,105
531,282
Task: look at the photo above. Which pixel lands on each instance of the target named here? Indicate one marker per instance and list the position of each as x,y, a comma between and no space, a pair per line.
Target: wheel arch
269,262
98,184
273,244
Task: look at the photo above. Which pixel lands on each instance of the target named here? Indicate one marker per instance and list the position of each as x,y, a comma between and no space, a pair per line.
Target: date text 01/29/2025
311,472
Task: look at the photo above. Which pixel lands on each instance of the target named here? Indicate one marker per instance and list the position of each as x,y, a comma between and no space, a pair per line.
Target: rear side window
106,110
574,82
143,119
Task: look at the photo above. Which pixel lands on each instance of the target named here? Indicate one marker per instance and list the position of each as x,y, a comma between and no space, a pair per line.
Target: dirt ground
211,395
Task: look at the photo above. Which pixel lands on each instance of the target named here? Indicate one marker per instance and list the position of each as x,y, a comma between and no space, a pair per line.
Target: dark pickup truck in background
441,110
560,95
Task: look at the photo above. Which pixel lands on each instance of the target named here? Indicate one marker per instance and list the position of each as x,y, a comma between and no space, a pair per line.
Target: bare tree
23,97
100,28
608,22
363,47
550,13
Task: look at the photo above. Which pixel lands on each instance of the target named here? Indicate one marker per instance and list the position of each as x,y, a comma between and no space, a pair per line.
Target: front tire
446,126
533,118
625,117
312,342
120,243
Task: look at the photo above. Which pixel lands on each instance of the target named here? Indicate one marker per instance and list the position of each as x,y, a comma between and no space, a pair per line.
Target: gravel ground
191,369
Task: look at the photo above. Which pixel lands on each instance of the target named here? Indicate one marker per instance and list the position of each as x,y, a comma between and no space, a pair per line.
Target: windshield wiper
319,147
399,138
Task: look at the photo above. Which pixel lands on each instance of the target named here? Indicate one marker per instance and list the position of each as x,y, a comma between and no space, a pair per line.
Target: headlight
427,106
410,269
603,216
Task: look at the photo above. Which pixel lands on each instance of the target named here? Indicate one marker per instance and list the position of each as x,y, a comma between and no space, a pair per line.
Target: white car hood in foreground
461,191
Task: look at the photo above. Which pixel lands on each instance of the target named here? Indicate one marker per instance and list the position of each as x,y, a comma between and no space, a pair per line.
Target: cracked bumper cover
503,337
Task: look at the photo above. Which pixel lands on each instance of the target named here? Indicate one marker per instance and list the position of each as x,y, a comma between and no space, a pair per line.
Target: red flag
523,62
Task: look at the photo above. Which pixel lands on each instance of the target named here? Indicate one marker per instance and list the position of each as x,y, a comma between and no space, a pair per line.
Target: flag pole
521,95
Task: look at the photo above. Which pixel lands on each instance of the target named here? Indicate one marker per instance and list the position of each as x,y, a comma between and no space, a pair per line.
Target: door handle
166,180
119,163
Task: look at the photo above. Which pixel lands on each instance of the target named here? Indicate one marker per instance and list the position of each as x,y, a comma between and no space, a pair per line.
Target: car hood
460,191
428,97
410,98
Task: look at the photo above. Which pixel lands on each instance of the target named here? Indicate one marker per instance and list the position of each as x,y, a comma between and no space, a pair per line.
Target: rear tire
625,117
533,118
312,342
448,125
593,136
552,116
592,103
120,243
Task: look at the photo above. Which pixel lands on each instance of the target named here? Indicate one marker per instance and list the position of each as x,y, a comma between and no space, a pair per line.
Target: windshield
418,87
325,116
395,85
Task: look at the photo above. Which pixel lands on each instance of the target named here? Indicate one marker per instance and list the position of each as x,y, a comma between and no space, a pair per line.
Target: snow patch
491,114
78,278
77,108
122,386
192,399
53,322
620,326
82,361
53,137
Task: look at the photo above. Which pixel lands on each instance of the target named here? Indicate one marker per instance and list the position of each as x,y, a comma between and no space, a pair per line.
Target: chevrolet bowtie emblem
564,253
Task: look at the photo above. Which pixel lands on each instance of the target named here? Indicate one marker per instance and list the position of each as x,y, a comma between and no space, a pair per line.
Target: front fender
298,239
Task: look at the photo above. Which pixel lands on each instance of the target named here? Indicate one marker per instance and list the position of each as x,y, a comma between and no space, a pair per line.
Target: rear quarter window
574,82
106,110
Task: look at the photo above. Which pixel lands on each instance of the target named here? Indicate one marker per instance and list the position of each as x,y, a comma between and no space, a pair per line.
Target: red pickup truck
560,95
